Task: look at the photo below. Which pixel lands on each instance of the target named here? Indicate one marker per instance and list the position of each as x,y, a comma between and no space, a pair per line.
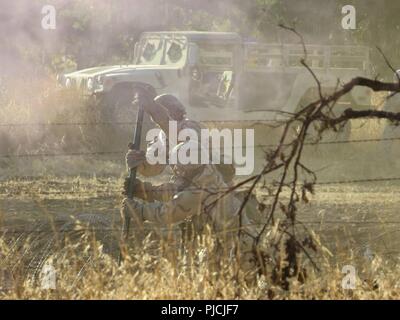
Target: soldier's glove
134,158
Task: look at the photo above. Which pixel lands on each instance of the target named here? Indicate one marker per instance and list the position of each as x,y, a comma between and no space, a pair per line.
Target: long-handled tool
135,145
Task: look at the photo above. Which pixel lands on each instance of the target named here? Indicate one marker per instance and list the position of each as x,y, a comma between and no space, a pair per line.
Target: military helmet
171,103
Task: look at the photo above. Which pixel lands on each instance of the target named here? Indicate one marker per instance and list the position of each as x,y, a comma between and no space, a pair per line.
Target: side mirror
193,55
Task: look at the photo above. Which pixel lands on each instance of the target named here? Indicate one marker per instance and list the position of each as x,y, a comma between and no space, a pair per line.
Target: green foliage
379,25
63,63
100,32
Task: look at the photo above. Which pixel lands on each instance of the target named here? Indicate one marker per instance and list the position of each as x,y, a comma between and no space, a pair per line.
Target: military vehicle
224,80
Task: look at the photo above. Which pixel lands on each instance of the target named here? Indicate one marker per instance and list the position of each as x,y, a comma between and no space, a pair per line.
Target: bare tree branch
285,160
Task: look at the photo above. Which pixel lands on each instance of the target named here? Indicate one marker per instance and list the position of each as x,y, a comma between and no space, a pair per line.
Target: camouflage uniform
173,106
192,195
149,170
188,201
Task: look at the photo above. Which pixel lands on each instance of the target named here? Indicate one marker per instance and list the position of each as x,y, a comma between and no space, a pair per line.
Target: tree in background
378,25
95,32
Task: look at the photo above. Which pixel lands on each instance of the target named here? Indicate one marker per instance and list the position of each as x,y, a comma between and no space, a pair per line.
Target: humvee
225,80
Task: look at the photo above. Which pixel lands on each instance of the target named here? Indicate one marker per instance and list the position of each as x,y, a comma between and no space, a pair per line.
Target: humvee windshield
162,50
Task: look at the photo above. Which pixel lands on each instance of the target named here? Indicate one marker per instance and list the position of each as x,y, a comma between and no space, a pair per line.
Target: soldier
176,111
190,198
196,196
167,107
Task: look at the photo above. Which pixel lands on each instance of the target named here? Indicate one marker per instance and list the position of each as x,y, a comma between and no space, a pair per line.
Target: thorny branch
286,159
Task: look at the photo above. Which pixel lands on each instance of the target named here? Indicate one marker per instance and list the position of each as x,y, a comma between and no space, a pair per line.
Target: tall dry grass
85,271
45,117
85,262
42,118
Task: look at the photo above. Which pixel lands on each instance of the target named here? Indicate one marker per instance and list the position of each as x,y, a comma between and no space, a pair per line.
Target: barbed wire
110,193
118,191
94,153
157,189
351,181
121,123
82,225
353,141
72,154
44,124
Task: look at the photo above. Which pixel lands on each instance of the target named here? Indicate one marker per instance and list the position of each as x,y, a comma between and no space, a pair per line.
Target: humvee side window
174,52
151,51
162,49
176,49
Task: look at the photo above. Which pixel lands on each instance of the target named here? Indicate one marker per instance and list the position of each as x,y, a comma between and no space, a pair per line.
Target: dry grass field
328,208
48,219
63,211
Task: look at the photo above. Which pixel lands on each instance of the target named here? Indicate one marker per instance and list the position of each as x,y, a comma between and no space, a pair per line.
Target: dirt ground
352,219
